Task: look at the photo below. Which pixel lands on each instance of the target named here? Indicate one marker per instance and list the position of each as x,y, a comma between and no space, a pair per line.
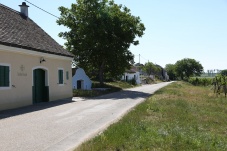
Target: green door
40,91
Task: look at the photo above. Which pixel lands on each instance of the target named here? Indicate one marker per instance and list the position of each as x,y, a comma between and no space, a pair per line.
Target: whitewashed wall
80,75
22,63
130,76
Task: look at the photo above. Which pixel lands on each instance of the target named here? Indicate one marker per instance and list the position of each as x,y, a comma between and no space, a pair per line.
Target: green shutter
60,76
1,76
4,76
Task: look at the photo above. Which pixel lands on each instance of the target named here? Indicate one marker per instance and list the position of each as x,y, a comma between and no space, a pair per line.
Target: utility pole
139,58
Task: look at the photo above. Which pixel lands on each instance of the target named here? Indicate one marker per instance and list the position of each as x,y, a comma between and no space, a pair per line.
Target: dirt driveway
63,125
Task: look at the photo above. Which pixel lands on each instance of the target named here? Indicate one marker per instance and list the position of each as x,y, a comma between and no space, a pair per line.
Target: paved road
63,125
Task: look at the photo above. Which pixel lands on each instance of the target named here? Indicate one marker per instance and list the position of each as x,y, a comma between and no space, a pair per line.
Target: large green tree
150,68
188,67
100,34
170,69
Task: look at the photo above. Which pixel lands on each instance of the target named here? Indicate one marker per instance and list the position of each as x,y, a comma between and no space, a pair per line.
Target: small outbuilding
81,80
130,75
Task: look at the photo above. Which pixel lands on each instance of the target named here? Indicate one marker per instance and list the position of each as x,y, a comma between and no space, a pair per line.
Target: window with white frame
4,75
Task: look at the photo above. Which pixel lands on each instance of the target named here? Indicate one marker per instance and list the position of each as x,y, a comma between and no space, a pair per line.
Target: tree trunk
182,77
101,78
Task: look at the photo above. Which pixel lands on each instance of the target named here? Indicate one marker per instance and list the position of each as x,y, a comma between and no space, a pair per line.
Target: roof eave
35,49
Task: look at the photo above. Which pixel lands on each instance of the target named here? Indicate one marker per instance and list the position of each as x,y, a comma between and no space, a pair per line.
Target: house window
60,76
4,76
67,75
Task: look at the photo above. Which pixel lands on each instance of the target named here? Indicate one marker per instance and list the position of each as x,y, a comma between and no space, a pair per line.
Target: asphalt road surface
65,124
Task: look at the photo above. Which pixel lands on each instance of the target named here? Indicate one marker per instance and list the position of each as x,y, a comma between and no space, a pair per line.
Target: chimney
24,9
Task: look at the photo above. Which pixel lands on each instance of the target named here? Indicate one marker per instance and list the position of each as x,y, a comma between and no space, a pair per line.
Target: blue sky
175,29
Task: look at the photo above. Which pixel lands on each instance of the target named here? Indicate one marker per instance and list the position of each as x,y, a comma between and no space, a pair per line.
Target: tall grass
178,117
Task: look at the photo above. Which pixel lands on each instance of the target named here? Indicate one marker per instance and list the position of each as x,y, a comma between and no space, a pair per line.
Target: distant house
33,66
131,74
165,75
139,67
162,74
81,80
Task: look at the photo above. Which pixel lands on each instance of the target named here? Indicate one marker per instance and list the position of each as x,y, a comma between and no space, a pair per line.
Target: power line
144,58
41,9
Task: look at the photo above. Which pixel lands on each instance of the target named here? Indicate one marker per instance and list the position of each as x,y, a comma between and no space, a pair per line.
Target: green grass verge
112,87
177,117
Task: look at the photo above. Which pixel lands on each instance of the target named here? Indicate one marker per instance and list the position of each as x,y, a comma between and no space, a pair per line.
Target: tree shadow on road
32,108
124,94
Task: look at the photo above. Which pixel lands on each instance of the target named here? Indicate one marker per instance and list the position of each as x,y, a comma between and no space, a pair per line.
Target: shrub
149,80
200,81
132,81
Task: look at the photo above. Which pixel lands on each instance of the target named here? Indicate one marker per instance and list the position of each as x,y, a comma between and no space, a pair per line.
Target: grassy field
111,87
177,117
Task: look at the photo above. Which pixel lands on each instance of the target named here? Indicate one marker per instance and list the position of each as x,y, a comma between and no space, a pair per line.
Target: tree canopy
100,34
170,69
188,67
224,72
150,68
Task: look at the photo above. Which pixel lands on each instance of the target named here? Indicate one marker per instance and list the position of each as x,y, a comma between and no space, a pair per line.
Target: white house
33,66
81,80
131,74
